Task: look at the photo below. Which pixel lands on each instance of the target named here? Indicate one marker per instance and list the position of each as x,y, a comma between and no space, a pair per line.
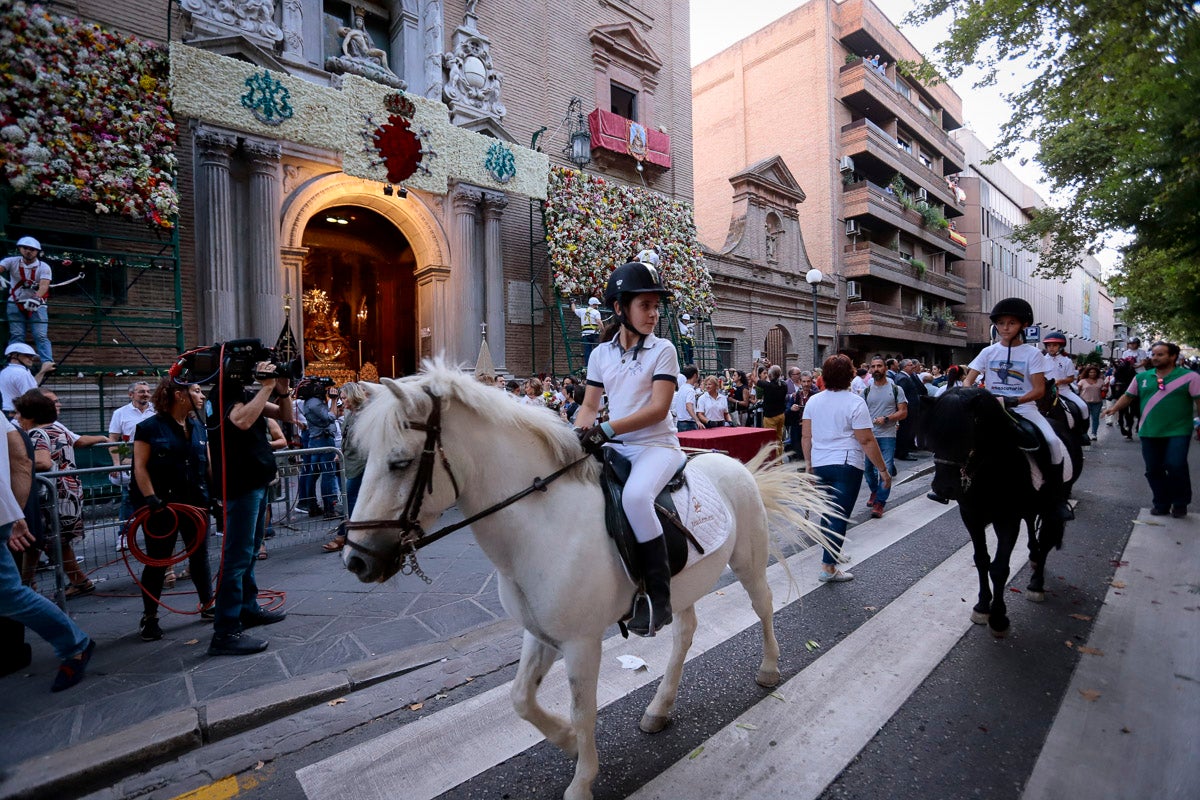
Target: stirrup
643,615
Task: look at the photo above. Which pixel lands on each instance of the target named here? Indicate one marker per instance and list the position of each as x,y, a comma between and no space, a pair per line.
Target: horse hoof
1035,597
999,634
652,723
979,618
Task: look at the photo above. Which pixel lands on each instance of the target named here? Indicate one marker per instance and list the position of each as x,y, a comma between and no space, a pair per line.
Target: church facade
375,170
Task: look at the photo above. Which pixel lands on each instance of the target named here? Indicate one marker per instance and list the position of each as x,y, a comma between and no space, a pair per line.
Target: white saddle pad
704,512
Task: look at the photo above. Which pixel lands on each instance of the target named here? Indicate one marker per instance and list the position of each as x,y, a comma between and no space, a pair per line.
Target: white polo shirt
628,376
685,394
126,418
15,380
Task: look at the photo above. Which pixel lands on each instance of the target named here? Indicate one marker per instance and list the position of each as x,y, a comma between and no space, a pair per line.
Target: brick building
278,208
871,150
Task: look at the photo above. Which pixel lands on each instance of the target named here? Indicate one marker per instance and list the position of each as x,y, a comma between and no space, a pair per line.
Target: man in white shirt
685,337
16,378
683,407
120,430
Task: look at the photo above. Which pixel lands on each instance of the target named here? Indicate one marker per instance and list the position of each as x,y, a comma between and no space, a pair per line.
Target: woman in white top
637,371
836,433
712,407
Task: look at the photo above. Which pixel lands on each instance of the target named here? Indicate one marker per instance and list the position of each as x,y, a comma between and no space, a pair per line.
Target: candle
393,365
360,355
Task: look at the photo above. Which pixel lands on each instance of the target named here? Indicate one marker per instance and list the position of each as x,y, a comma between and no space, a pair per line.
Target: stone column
214,235
262,306
493,263
465,278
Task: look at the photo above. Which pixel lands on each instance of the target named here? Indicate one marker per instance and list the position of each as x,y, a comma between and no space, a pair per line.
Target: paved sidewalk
142,701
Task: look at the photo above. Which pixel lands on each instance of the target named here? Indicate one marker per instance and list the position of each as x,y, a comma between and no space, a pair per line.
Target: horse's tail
794,498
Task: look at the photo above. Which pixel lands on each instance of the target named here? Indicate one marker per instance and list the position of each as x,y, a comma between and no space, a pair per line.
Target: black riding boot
1056,493
652,610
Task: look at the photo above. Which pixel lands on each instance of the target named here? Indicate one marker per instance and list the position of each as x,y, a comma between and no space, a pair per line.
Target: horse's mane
387,415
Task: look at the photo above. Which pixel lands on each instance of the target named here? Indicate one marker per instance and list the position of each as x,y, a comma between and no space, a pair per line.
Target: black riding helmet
1013,307
636,277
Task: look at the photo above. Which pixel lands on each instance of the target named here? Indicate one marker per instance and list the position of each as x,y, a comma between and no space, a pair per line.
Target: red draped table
741,443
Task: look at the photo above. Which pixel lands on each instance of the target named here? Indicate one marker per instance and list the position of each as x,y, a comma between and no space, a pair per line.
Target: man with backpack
887,405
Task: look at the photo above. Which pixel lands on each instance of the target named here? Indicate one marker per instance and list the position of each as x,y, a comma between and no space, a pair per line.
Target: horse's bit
412,535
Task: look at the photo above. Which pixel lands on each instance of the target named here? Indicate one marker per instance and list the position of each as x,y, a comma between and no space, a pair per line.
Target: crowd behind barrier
102,551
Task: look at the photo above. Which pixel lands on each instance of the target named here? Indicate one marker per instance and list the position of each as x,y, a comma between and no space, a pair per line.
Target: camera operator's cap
29,241
595,301
19,348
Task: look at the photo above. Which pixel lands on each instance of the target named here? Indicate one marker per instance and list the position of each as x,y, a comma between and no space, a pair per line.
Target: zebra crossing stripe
793,743
487,731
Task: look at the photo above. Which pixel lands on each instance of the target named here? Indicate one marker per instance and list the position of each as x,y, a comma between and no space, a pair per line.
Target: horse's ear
394,387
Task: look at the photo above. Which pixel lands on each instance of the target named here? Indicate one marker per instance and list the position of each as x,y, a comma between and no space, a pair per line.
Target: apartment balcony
628,139
865,90
866,142
864,318
866,199
869,261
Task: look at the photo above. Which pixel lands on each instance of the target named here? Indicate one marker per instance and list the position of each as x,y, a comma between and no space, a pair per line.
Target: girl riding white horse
438,438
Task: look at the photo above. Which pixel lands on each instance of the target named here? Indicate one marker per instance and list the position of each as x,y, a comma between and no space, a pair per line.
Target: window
1060,304
904,145
903,89
724,353
623,101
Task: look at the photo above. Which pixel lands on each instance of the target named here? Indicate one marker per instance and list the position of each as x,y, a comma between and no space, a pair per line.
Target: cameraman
243,467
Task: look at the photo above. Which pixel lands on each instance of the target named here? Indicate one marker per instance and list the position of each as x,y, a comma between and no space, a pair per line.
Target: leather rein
412,535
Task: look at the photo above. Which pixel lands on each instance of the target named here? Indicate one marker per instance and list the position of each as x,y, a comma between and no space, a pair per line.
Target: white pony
440,437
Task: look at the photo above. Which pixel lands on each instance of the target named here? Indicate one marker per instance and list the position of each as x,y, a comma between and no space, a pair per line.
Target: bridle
412,534
966,474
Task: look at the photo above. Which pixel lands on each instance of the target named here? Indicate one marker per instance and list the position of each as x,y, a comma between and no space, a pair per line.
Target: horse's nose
356,565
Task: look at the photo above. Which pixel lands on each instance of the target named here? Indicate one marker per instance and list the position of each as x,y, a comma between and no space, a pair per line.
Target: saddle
676,535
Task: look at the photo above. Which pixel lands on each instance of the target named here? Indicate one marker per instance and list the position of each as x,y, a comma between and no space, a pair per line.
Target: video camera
316,386
238,363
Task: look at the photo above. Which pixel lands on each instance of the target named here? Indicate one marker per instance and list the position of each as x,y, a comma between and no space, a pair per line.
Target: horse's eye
399,464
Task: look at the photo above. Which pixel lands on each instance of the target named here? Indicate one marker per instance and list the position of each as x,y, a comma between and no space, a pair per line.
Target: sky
717,24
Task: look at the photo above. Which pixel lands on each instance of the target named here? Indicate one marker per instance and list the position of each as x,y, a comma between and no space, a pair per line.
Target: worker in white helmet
28,286
590,325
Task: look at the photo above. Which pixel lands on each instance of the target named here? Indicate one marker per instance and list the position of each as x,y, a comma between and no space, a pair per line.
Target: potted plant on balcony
932,216
919,266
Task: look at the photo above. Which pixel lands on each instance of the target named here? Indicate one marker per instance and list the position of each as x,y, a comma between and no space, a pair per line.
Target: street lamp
579,143
814,278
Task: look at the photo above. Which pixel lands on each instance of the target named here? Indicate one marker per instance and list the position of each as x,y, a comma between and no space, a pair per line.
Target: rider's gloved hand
32,303
593,439
1011,402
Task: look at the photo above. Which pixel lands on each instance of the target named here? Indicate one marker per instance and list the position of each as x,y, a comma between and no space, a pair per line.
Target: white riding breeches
653,466
1068,394
1058,451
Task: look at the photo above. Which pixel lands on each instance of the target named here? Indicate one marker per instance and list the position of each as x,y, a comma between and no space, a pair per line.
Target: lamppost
814,278
579,140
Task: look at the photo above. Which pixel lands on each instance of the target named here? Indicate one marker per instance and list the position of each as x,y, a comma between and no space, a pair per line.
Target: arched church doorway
777,345
359,295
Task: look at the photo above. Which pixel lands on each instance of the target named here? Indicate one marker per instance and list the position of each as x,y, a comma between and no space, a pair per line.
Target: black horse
979,461
1123,374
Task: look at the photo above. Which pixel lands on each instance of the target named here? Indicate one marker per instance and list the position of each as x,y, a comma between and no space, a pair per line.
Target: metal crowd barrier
101,552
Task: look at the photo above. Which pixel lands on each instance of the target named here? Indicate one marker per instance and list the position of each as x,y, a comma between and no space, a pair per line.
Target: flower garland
593,226
84,116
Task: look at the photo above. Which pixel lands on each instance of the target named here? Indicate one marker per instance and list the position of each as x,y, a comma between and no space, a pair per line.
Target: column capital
494,204
466,199
262,153
212,142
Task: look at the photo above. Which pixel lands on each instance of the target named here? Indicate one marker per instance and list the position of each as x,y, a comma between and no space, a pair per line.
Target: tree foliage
1113,110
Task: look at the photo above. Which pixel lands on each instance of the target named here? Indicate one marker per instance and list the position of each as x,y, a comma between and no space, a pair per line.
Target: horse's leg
536,659
658,713
979,614
1006,540
1036,590
749,563
583,672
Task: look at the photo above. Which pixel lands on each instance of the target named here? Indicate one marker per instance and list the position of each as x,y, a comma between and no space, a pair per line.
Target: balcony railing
869,199
864,136
866,318
870,260
862,78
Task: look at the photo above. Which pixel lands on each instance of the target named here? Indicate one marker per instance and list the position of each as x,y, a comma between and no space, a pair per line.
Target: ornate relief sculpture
472,86
253,18
361,57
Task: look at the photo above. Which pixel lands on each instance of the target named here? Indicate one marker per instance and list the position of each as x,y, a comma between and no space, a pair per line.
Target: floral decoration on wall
84,116
594,226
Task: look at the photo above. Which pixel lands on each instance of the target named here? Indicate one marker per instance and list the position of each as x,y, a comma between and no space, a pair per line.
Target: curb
108,758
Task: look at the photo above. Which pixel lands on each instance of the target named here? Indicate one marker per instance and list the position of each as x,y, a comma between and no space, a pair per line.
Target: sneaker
149,630
208,611
837,576
70,671
262,617
169,580
1095,438
235,644
871,500
876,509
1159,511
1178,512
121,544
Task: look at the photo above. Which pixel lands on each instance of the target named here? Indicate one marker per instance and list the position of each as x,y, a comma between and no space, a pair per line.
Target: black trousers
161,547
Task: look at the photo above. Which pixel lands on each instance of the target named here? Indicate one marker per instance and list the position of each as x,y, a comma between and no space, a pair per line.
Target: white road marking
485,731
1138,737
792,744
